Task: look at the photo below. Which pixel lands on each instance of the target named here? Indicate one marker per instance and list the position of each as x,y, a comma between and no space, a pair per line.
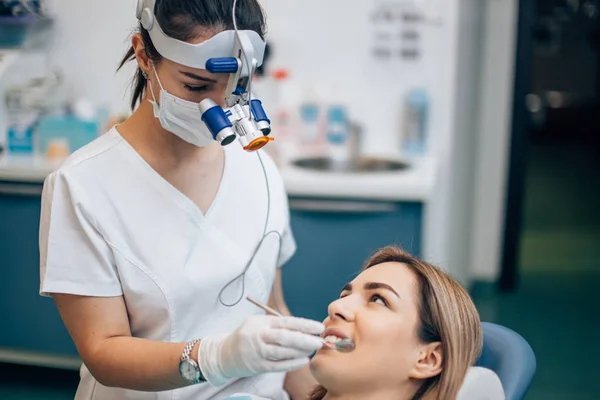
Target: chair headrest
481,384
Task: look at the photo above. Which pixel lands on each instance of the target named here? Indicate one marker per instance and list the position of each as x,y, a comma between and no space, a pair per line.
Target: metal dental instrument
344,345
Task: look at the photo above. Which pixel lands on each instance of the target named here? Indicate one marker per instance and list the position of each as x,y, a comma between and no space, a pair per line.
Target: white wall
457,177
497,81
90,39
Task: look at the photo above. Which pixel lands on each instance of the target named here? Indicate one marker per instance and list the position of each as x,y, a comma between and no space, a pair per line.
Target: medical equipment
343,346
265,308
238,53
266,234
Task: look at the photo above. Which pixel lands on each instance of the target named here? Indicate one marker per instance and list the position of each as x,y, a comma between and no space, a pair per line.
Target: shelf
24,32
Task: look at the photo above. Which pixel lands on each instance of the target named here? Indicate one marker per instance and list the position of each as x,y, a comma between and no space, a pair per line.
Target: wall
497,80
90,39
459,178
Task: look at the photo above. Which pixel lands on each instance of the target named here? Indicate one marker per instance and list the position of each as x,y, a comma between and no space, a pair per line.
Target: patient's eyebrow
372,286
379,285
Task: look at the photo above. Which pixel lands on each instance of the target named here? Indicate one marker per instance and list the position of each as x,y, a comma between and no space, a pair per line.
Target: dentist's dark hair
186,19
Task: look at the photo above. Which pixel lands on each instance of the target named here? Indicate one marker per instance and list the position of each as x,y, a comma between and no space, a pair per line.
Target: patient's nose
341,309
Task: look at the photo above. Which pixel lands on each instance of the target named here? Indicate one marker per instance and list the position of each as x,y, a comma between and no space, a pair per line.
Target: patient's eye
379,300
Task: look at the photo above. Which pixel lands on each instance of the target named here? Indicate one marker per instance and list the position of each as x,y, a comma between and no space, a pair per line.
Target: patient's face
378,311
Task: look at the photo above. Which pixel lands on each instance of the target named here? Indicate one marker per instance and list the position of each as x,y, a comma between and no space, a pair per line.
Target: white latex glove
262,344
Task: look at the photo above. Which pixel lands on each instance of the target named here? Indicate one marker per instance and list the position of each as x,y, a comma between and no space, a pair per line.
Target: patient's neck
374,395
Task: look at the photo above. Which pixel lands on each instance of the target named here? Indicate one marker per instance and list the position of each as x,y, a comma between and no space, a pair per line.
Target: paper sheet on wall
396,30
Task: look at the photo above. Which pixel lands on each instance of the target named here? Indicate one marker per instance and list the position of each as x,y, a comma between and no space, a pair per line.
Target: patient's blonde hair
447,315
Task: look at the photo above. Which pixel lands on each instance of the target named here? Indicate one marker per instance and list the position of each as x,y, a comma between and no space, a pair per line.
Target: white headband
196,55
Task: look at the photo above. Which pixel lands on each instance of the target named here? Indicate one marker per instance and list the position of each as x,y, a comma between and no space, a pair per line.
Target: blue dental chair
510,356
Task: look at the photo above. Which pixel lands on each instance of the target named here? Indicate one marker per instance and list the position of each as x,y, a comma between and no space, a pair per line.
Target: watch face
189,370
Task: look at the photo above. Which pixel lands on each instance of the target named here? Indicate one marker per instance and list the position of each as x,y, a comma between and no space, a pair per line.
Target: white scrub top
112,226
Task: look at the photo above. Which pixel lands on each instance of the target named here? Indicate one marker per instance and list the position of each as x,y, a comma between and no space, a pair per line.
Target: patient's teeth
332,339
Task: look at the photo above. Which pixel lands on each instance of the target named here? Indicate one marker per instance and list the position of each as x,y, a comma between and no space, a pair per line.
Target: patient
416,331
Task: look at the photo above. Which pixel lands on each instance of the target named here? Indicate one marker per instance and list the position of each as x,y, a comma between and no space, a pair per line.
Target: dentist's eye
379,300
195,88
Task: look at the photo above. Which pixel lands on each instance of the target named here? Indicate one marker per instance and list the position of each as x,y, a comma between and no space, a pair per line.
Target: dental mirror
343,346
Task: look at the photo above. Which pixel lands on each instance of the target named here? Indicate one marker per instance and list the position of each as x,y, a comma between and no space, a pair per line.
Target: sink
361,164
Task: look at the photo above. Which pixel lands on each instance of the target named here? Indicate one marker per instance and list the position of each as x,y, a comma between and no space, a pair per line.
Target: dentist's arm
100,329
297,383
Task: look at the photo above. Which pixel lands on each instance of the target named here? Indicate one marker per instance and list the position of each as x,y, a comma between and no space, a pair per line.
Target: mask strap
157,78
151,86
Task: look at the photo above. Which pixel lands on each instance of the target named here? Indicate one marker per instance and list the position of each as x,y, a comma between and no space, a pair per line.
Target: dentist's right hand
261,344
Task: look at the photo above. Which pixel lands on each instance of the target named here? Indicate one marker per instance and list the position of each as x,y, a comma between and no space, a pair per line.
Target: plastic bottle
285,119
416,112
313,116
20,138
338,128
310,115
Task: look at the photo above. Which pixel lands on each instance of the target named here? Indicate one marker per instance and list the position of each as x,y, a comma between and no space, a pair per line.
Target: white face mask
181,117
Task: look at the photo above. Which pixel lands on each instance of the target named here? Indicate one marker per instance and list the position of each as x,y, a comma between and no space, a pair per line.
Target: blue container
20,140
78,133
337,125
14,30
416,122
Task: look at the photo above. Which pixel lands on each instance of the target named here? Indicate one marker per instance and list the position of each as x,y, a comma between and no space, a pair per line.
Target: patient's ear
429,363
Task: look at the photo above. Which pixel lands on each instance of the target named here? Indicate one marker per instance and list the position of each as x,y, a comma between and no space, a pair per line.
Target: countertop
413,184
25,168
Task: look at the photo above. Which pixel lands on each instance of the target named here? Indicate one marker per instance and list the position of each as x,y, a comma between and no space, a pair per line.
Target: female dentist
151,235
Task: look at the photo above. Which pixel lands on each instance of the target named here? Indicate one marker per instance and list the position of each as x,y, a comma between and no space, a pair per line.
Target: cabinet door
29,322
334,240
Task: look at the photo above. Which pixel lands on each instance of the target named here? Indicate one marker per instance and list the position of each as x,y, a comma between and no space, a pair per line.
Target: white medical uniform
112,226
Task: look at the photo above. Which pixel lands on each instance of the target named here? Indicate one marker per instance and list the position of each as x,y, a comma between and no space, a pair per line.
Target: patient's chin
323,374
323,366
319,363
334,375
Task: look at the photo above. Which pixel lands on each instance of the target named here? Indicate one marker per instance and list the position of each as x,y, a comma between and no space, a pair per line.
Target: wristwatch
188,368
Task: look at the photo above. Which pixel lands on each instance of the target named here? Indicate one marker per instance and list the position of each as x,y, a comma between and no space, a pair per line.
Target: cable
267,219
258,247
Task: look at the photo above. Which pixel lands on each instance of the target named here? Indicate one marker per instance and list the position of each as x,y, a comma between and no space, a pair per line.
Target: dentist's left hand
262,344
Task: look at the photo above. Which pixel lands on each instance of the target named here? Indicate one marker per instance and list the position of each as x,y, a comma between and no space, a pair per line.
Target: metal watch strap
187,359
188,349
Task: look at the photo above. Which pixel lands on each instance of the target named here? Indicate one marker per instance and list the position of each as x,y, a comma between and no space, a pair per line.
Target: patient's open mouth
332,339
337,339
